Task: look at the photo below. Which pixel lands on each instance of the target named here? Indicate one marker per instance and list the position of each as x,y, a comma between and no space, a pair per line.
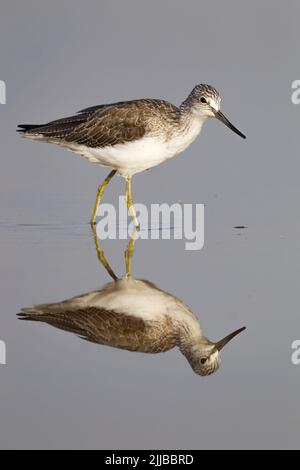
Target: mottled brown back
108,327
108,125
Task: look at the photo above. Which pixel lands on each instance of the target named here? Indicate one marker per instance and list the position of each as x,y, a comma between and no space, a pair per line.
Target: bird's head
206,359
205,102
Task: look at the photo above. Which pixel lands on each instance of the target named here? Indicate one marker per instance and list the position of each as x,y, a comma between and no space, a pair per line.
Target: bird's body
133,315
128,314
132,136
129,137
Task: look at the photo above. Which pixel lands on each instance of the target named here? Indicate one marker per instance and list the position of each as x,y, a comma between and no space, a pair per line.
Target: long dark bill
221,344
220,116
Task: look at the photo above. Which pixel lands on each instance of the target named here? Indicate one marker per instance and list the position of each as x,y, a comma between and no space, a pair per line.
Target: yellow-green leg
100,194
130,204
101,255
129,255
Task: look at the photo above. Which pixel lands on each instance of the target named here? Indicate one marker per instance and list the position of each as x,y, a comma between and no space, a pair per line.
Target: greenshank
132,136
134,315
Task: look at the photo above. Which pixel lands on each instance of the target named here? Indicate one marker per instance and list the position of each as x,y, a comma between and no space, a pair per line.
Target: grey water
58,391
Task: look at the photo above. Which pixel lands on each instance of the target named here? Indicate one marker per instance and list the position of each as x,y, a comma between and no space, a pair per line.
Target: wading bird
134,315
132,136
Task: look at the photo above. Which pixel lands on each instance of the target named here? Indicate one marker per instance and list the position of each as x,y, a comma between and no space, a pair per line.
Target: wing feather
110,126
105,125
93,324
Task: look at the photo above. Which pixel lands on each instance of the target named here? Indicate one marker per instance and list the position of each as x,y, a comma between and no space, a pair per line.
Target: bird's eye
203,100
204,361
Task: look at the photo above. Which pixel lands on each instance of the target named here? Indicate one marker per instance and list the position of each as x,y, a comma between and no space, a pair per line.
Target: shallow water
58,391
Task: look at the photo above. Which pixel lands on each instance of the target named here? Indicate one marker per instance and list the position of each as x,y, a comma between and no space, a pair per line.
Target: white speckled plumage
133,136
134,315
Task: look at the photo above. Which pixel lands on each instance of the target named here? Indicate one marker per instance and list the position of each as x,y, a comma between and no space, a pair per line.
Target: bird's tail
32,314
52,131
24,128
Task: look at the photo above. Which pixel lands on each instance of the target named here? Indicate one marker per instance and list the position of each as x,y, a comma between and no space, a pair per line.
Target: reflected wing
94,325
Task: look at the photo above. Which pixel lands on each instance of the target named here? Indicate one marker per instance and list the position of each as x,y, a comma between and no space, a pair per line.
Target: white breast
135,157
140,299
132,297
182,141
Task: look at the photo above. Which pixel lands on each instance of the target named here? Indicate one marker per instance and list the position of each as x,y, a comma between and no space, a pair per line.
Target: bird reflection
134,315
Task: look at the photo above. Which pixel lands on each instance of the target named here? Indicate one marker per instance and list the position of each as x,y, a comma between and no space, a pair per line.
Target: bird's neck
189,119
193,350
190,336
